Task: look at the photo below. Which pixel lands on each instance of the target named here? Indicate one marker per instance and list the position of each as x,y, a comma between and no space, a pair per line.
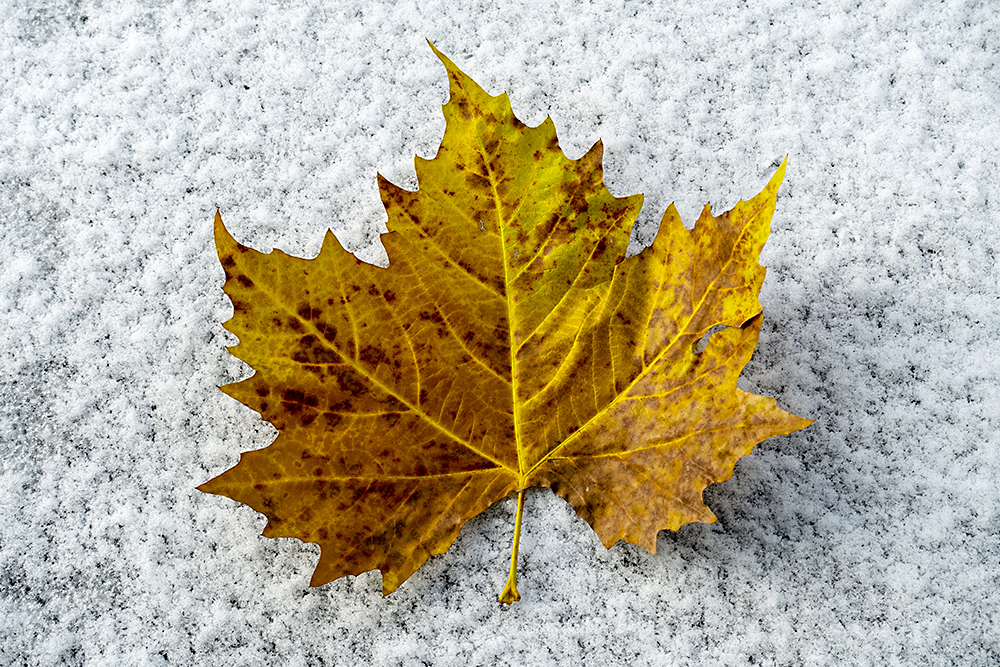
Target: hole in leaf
702,343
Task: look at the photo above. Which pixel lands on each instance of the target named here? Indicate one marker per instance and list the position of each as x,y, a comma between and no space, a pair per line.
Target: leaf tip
462,88
217,224
210,487
671,216
448,64
779,175
224,241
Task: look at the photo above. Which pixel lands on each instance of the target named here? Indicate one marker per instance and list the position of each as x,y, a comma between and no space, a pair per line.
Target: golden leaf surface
509,344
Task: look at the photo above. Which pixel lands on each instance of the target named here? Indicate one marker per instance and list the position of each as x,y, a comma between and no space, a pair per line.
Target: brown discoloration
432,316
312,352
600,249
352,383
296,396
476,181
372,355
327,331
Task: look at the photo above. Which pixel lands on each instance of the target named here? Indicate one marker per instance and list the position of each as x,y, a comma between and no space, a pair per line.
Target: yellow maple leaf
508,345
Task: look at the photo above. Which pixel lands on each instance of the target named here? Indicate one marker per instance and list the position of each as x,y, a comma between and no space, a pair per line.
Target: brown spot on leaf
394,404
372,355
474,180
601,248
328,331
312,352
296,396
351,383
331,420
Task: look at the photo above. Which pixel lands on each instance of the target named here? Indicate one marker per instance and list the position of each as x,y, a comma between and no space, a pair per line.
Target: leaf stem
510,594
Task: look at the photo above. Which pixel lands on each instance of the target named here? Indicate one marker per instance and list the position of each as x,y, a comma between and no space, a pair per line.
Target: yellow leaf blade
508,345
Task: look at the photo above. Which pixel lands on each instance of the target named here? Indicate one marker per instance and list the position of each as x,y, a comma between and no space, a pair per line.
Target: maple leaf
509,344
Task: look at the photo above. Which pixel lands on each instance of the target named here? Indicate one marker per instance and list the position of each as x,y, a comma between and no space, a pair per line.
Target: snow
873,537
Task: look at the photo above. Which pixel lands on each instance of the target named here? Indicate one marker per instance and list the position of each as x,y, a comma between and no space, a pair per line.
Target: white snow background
872,537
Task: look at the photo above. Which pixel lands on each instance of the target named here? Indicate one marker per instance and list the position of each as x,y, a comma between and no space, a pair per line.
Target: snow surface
873,537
